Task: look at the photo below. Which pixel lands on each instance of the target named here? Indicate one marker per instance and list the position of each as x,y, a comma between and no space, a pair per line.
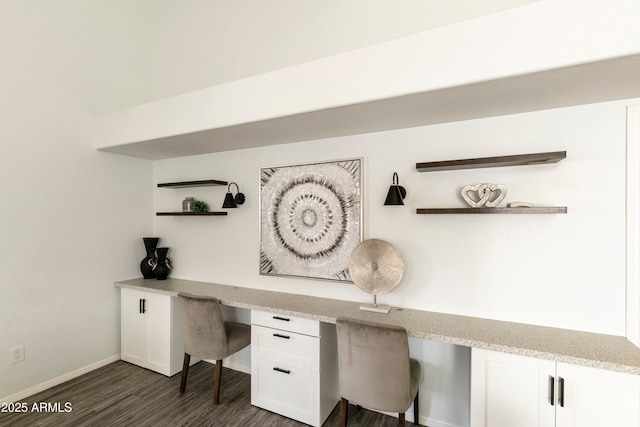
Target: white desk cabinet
151,332
294,367
509,390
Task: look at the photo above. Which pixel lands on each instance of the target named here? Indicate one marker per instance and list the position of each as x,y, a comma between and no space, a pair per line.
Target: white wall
633,224
553,270
203,43
71,218
564,271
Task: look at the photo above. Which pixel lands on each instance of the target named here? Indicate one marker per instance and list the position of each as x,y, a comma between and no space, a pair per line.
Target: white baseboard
424,421
59,380
240,367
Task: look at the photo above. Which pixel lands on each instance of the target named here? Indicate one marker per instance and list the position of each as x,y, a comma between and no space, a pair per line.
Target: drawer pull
284,371
281,318
282,336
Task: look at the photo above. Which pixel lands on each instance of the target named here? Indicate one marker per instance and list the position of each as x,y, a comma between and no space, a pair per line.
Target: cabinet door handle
561,391
284,371
143,309
140,305
286,337
281,318
552,390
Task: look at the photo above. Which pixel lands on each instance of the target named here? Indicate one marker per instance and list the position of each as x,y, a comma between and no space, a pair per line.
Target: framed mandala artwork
310,219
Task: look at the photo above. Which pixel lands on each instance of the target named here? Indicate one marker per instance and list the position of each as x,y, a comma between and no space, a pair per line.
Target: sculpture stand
375,307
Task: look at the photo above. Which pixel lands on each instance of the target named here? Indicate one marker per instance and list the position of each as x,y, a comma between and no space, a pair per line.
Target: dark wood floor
121,394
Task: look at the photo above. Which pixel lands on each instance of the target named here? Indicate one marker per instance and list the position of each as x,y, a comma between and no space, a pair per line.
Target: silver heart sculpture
475,195
479,195
498,193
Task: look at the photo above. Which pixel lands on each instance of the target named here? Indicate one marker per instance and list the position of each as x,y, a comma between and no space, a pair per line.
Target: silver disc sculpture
376,267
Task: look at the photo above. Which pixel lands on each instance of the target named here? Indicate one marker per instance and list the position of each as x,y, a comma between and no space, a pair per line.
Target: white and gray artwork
310,219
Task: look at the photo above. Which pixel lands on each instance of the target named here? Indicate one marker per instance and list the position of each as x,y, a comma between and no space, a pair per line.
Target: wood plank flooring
121,394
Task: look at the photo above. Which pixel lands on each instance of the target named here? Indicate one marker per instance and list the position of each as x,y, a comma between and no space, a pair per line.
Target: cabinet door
596,398
132,339
509,390
158,332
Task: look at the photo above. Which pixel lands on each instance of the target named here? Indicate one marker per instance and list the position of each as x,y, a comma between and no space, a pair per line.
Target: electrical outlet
17,353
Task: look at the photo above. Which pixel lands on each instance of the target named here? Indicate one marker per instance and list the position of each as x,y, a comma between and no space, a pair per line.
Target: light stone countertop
609,352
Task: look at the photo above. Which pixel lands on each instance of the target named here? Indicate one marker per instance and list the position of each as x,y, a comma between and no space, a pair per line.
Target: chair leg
344,412
185,372
216,382
416,412
401,419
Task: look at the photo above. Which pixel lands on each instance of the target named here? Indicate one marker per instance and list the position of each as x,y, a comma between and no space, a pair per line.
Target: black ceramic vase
146,265
163,265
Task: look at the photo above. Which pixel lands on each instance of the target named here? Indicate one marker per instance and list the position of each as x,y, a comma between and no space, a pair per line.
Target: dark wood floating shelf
491,162
532,210
187,184
218,213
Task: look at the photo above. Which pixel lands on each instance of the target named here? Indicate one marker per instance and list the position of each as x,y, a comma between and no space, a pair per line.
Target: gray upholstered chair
208,336
375,369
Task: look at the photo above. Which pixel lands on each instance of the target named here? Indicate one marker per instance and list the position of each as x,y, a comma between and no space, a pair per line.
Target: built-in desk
580,348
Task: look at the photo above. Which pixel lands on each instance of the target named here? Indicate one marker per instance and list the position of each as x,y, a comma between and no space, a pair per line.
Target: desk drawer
286,390
286,323
298,350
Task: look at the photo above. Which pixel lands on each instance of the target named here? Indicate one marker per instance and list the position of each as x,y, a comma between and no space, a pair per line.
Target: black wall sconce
230,201
396,193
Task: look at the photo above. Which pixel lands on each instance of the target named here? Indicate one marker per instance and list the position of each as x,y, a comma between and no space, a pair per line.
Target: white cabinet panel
510,390
151,332
158,337
132,343
596,398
